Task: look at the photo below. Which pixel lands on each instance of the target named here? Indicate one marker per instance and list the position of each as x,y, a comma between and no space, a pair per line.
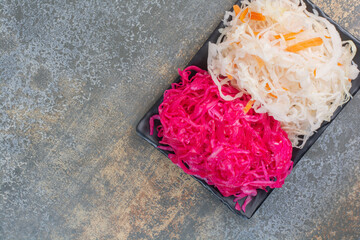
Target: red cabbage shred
215,140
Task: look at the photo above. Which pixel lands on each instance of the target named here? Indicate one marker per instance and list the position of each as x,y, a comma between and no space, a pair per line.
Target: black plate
200,60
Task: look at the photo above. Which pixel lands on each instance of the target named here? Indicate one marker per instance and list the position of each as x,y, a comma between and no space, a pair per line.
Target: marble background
75,78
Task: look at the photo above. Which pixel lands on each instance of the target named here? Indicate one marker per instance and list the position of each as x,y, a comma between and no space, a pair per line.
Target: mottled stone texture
75,78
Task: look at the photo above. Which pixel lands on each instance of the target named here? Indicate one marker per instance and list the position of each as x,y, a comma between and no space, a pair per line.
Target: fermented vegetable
292,62
226,143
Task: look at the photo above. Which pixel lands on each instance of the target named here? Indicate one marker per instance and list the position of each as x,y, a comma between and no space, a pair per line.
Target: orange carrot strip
257,33
339,64
272,95
248,106
260,62
285,89
236,9
327,36
269,88
257,16
349,80
314,72
243,14
305,44
288,36
230,77
291,38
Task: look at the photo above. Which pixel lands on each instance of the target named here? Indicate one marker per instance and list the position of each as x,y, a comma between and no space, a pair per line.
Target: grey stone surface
76,77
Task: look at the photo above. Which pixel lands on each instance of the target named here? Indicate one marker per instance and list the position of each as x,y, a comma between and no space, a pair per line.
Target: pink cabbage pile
215,140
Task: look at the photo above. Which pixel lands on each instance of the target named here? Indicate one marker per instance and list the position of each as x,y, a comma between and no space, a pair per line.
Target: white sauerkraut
292,62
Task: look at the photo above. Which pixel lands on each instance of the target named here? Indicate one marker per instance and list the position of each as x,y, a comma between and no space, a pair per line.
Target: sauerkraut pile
225,143
292,62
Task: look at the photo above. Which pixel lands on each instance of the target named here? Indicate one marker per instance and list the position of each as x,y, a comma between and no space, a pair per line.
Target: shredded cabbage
291,61
217,141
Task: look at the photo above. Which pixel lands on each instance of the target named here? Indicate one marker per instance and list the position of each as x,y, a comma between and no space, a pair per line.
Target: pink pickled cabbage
215,140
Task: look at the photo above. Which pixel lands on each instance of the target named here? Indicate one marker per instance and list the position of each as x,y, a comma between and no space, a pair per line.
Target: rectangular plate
200,60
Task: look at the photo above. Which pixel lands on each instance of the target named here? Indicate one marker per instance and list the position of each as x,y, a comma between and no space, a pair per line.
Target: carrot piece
305,44
257,16
314,72
272,95
268,88
289,36
349,80
285,89
243,14
339,64
230,77
260,62
248,106
257,33
236,9
327,36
